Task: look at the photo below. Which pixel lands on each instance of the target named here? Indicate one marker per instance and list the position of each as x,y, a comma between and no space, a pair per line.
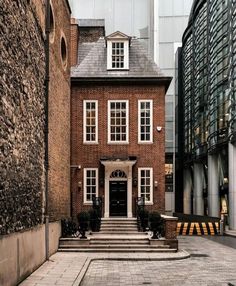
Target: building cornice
123,80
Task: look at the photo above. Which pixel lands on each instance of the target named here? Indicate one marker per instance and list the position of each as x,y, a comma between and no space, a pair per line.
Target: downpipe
46,163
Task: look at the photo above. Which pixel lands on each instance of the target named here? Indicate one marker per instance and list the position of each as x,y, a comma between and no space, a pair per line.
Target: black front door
118,198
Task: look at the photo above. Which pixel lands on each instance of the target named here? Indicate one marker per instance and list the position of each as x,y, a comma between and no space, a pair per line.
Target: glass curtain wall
187,91
232,107
219,90
200,82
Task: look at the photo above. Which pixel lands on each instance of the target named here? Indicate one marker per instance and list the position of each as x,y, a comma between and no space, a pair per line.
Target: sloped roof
92,65
93,62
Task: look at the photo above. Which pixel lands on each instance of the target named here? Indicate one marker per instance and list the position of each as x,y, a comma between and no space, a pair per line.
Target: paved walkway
211,263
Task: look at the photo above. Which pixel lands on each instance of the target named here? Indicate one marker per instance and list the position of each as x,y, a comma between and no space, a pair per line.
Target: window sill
148,203
117,143
145,142
87,203
90,143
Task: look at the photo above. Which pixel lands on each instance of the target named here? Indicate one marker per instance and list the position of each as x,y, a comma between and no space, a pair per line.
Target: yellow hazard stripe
199,228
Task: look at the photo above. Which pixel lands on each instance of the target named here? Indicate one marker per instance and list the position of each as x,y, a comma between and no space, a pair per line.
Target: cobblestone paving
211,264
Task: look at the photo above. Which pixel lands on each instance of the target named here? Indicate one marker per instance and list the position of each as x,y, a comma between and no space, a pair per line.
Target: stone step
120,246
89,249
119,218
118,229
120,241
110,226
119,222
118,232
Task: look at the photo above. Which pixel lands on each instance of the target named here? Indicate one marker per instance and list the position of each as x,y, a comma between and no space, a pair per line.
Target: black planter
83,220
156,225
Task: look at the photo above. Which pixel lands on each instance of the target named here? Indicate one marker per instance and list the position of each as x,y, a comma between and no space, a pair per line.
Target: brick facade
59,114
91,34
88,156
74,42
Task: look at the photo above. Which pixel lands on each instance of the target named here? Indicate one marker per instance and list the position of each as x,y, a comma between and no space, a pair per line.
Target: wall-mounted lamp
79,185
135,182
77,167
155,184
159,128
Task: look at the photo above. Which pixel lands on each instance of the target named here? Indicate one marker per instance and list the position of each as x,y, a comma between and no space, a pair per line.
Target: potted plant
156,225
95,220
83,220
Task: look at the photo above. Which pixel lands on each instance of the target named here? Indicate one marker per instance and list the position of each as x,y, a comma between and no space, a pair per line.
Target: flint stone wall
22,117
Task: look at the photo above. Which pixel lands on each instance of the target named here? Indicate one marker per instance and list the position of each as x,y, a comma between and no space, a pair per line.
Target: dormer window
117,51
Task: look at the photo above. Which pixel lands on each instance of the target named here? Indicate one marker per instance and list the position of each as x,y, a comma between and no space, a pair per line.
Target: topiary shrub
68,227
156,225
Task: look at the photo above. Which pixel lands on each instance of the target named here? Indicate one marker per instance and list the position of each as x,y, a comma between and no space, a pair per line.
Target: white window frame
126,54
84,122
150,202
139,121
85,184
109,122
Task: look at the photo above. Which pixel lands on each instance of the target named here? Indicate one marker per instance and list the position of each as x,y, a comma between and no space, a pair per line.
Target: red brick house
117,127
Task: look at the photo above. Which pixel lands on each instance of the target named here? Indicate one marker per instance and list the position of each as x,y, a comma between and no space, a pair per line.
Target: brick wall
149,155
91,34
59,114
74,41
170,227
22,118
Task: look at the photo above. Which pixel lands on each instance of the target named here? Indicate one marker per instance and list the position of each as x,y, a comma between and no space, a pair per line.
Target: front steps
116,235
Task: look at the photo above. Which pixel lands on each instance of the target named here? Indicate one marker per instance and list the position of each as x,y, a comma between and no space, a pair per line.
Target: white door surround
125,166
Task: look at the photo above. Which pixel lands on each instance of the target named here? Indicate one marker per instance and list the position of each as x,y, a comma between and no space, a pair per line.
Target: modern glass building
132,17
170,21
207,91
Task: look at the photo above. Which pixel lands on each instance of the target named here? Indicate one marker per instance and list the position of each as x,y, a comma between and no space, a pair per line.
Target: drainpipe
46,162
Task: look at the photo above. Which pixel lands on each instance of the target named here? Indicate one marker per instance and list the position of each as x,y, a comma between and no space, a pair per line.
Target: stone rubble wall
22,118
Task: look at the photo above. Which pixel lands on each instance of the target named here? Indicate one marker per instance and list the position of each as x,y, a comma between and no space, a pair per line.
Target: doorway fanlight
118,174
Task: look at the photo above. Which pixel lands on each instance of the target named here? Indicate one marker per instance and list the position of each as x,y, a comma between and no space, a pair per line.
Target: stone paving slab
211,263
69,268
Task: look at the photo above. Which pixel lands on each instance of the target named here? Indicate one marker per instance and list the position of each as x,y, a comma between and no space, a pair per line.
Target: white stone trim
110,166
109,54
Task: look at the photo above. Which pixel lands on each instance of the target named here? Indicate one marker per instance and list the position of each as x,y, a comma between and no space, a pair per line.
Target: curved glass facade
209,99
209,55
